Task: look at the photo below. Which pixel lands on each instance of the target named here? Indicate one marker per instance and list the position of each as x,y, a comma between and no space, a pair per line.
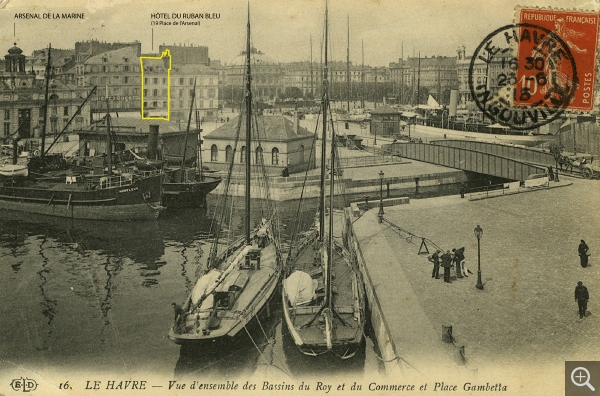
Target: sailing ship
240,279
323,293
122,195
187,187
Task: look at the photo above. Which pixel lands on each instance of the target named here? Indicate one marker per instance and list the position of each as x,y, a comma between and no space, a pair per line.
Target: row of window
202,104
115,80
163,92
108,69
53,112
156,80
54,127
214,154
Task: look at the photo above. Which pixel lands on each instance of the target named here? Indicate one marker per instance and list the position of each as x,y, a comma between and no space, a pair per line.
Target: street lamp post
478,234
380,214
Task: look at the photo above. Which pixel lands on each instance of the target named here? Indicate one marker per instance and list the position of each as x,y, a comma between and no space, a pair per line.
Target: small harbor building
281,143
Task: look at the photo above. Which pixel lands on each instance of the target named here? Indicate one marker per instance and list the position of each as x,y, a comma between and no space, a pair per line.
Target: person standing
463,189
446,264
459,256
581,296
583,249
435,259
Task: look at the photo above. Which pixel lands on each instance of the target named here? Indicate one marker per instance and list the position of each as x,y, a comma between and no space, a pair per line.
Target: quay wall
381,331
411,185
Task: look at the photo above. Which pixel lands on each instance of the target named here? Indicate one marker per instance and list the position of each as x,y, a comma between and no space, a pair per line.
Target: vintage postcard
301,197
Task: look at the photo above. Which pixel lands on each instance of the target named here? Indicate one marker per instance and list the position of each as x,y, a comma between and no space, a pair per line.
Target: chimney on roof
296,119
153,142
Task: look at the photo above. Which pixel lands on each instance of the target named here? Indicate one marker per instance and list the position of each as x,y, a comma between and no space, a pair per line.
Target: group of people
447,261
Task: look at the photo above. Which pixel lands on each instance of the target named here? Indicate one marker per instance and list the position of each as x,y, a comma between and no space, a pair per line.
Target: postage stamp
579,31
525,75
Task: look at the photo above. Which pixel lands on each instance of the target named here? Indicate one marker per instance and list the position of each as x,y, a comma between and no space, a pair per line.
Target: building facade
438,74
22,97
283,144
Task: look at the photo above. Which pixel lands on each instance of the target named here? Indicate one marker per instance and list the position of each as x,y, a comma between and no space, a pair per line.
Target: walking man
435,259
582,297
583,249
446,263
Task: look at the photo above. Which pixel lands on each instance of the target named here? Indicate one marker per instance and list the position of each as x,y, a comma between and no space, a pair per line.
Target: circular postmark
522,76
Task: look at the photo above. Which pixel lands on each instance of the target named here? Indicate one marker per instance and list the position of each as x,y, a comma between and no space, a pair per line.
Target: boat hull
260,286
138,200
188,194
307,323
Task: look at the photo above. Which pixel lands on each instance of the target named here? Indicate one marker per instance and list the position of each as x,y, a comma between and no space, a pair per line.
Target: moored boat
187,187
241,278
323,293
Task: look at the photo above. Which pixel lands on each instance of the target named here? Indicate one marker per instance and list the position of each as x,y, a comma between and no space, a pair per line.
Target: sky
281,29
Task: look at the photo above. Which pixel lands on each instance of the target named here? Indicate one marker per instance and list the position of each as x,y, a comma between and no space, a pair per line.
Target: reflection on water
96,296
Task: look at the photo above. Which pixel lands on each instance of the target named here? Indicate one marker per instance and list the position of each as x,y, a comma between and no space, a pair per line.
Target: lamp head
478,232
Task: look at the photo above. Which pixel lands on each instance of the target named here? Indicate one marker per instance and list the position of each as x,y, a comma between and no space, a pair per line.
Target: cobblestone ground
526,319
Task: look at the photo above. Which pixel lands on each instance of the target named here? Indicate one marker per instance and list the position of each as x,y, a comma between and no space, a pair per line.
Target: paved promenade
521,328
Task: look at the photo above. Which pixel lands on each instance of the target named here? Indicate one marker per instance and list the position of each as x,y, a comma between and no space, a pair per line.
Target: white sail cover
203,284
300,288
431,102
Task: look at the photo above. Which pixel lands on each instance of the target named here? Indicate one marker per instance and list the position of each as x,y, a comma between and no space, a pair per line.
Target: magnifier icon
581,377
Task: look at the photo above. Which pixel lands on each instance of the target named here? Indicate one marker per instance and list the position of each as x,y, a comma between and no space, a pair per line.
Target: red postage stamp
559,51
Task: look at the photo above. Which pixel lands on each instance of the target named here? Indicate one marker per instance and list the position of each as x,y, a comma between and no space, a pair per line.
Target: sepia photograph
300,197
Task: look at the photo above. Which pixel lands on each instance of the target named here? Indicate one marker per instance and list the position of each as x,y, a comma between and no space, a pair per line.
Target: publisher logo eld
582,378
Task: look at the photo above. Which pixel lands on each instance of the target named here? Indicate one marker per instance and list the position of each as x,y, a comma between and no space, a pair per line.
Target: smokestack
453,102
153,142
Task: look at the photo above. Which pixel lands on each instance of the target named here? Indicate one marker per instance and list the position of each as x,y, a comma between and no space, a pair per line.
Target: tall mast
108,138
312,92
248,129
199,151
325,104
402,76
419,81
348,65
362,77
187,131
328,303
48,72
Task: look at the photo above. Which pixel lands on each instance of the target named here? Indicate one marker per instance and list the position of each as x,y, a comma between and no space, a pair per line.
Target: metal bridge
521,154
465,159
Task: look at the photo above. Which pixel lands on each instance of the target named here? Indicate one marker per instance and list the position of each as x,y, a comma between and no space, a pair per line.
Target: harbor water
93,299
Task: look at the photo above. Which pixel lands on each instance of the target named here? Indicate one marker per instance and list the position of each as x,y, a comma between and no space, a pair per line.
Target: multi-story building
116,73
438,74
494,75
187,55
267,77
62,59
22,102
207,92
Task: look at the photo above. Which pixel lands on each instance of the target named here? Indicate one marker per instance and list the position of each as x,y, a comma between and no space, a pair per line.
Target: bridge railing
465,159
513,152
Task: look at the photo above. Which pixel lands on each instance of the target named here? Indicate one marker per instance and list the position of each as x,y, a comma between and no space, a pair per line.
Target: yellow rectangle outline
165,53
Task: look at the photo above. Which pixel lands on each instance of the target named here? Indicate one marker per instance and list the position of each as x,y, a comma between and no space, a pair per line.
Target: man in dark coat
582,297
446,264
435,259
459,256
583,249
